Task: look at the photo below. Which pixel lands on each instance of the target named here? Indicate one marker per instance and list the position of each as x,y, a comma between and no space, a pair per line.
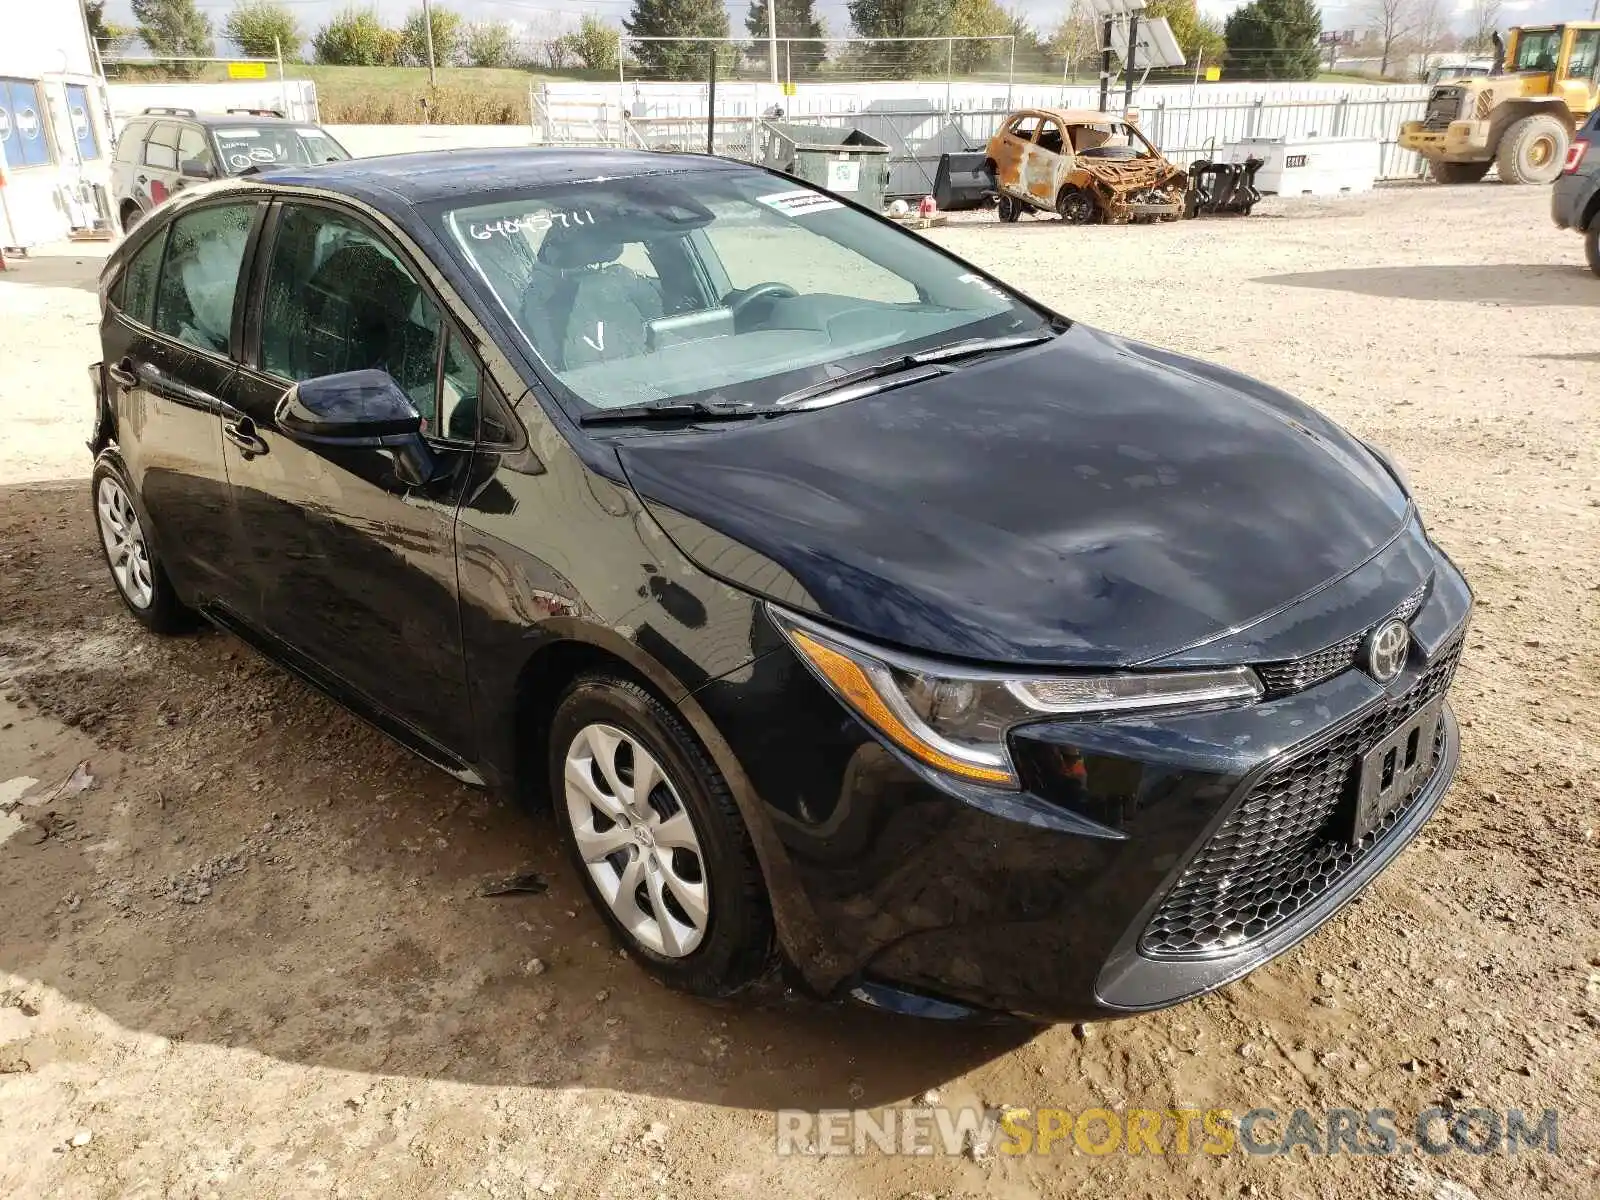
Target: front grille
1286,843
1297,674
1444,106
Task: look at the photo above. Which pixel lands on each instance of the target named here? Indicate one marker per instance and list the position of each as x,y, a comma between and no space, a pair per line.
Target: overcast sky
543,14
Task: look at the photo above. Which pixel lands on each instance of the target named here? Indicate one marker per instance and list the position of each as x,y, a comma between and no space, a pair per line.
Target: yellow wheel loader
1519,117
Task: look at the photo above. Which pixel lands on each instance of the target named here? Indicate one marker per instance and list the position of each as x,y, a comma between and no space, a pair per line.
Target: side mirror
195,168
358,410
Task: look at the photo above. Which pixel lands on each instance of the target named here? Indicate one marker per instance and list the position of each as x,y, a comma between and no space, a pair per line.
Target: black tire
1532,150
1009,210
737,941
1460,172
1591,244
1077,206
158,609
132,214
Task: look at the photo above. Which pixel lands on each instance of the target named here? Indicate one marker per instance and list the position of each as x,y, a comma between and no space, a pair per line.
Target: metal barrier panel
1186,123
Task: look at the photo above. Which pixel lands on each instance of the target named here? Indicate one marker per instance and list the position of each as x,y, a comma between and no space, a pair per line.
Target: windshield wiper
966,349
861,382
694,410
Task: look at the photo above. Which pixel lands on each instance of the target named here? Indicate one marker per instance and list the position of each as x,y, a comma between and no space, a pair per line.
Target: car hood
1089,502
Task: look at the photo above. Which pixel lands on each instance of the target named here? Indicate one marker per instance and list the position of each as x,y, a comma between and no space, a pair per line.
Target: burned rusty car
1083,165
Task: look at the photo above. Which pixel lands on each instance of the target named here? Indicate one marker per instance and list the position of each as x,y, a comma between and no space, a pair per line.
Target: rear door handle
241,431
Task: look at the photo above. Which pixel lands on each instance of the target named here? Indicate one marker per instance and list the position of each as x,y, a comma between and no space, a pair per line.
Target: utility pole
427,20
772,36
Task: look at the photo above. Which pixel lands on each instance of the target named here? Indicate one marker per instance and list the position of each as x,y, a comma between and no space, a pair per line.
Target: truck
1519,118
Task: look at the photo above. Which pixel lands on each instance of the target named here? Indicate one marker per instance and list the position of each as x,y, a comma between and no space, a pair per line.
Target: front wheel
657,838
136,570
1460,172
1532,150
1009,209
1591,244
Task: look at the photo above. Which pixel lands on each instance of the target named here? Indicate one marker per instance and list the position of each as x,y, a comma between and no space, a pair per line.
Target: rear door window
138,289
200,277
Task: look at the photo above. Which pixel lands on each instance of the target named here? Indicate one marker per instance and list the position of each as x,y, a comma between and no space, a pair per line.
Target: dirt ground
249,960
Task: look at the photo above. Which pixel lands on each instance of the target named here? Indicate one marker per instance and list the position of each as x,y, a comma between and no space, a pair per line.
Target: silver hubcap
125,547
637,841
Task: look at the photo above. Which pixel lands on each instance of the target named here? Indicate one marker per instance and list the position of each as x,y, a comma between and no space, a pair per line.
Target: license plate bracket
1392,769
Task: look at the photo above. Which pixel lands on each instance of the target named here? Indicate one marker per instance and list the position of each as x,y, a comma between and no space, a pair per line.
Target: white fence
919,121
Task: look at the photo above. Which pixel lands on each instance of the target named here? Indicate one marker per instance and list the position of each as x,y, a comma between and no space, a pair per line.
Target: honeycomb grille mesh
1300,673
1285,844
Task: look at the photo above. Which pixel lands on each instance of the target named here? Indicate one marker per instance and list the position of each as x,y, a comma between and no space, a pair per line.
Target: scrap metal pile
1216,187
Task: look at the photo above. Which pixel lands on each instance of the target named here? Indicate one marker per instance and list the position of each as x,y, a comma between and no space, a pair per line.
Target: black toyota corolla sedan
846,604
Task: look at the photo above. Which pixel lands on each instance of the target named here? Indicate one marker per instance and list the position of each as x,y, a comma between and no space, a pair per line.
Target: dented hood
1088,502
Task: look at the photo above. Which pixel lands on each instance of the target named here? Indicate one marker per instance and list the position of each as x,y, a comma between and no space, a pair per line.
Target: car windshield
724,286
246,146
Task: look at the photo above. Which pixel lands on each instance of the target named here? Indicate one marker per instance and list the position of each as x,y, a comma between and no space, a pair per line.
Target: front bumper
1460,141
1034,903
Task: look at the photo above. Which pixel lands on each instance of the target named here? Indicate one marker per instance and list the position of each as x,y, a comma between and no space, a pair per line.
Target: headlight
956,720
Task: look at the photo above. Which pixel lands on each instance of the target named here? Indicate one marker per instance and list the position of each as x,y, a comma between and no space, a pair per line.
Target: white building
55,134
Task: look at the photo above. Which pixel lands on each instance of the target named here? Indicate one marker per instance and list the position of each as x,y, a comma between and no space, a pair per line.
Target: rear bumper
1572,196
1461,141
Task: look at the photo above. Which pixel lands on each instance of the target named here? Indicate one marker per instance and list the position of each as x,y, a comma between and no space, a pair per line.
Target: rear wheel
1591,244
1009,209
657,837
131,216
1460,172
1532,150
135,566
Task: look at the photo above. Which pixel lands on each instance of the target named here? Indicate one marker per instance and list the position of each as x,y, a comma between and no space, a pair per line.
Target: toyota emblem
1386,650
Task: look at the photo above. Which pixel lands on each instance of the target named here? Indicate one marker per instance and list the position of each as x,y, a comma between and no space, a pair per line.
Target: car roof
209,118
1076,116
449,174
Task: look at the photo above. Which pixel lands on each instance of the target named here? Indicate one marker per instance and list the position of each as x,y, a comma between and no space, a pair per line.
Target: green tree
107,36
977,19
796,19
488,44
1197,37
1273,39
355,38
174,29
901,19
259,27
594,44
675,19
447,36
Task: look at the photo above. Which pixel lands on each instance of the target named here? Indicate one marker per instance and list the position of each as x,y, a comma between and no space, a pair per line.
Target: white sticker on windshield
798,204
536,222
308,132
233,133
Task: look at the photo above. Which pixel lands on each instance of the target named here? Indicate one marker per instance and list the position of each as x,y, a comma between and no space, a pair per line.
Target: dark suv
164,150
841,599
1575,198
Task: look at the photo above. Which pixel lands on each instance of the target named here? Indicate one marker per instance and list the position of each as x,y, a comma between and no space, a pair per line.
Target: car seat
581,306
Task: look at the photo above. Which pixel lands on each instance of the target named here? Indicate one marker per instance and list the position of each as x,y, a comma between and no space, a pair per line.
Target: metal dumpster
846,161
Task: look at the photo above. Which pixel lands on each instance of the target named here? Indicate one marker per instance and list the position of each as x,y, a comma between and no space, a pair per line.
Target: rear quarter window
132,141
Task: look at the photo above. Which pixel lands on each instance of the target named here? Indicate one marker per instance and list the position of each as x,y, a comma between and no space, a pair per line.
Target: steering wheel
759,291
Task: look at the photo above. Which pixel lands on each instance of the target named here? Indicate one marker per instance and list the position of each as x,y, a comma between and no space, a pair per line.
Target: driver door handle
241,431
122,374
